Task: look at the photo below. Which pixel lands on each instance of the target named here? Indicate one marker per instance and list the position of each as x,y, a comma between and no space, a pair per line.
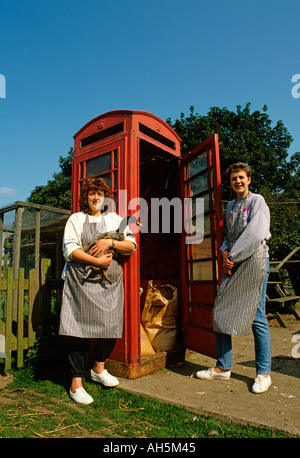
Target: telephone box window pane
115,197
198,164
156,136
102,134
81,169
207,229
198,227
199,184
206,204
213,201
107,178
115,159
202,271
98,165
201,250
115,180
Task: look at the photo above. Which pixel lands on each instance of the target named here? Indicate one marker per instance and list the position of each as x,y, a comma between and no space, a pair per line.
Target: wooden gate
19,335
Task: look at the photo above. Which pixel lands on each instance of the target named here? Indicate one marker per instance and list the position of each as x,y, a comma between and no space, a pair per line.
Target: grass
32,407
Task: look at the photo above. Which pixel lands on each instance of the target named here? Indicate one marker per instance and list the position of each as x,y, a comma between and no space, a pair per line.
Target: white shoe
105,378
81,396
261,384
211,374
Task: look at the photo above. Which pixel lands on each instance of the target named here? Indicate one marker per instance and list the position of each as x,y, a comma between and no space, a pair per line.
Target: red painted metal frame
126,358
197,328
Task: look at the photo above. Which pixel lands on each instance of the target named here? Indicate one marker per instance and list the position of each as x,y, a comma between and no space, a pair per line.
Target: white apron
92,309
239,294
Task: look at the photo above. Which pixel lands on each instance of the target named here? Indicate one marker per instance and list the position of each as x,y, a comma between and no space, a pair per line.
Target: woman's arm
84,258
256,231
72,237
125,246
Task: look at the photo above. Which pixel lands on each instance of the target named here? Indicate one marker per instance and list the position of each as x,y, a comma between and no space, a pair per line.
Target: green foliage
292,185
285,224
57,192
250,137
243,136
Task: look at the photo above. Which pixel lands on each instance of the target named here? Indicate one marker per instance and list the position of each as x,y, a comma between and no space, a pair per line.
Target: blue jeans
261,333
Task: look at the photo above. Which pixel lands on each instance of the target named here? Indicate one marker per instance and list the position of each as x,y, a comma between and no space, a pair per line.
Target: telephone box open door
200,182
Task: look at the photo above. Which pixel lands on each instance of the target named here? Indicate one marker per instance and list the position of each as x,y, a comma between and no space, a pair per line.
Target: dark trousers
79,350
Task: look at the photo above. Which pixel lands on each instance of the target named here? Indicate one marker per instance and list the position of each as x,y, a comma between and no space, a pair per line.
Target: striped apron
239,294
92,309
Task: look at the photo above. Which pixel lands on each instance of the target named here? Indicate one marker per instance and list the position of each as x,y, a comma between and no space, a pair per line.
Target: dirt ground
233,400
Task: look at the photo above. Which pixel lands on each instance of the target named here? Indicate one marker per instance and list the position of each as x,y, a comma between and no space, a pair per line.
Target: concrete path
233,400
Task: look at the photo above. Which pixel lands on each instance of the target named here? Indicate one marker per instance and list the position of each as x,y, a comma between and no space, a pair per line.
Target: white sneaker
105,378
211,374
81,396
261,384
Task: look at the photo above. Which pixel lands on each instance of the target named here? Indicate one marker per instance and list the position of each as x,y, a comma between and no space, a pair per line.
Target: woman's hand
227,264
124,246
84,258
100,247
104,260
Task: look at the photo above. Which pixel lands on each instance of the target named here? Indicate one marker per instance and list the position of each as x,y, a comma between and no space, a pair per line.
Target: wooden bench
277,292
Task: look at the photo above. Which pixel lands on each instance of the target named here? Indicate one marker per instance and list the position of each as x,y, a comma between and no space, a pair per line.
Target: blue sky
67,61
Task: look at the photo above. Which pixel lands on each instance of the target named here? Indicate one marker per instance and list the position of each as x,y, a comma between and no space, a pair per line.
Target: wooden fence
20,294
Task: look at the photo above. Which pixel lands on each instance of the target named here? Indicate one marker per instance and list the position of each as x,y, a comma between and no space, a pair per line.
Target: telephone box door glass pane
98,165
104,164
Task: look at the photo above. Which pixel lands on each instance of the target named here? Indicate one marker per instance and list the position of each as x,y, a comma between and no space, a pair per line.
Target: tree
57,192
251,138
292,185
285,223
243,136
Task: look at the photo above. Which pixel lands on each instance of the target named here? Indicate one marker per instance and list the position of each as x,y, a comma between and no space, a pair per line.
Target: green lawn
37,407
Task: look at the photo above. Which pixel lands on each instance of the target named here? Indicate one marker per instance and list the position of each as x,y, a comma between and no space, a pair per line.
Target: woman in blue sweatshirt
241,299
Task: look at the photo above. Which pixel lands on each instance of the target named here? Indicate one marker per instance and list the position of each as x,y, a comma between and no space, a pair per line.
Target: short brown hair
92,184
239,166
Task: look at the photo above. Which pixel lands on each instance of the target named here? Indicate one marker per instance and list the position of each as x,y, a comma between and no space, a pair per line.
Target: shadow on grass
48,360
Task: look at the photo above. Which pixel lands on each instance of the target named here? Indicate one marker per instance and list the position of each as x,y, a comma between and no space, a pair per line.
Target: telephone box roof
128,113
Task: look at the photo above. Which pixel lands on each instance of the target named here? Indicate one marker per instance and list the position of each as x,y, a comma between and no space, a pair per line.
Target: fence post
33,286
45,296
16,254
1,237
8,321
20,326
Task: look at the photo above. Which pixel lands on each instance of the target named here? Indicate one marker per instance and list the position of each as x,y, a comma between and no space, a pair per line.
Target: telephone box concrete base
147,364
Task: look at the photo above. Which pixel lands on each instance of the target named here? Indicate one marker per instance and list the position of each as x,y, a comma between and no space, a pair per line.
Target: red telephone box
137,152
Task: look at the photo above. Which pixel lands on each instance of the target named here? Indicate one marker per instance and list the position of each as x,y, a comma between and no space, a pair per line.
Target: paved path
232,400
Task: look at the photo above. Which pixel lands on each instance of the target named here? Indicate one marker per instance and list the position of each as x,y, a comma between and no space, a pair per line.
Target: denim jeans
261,333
